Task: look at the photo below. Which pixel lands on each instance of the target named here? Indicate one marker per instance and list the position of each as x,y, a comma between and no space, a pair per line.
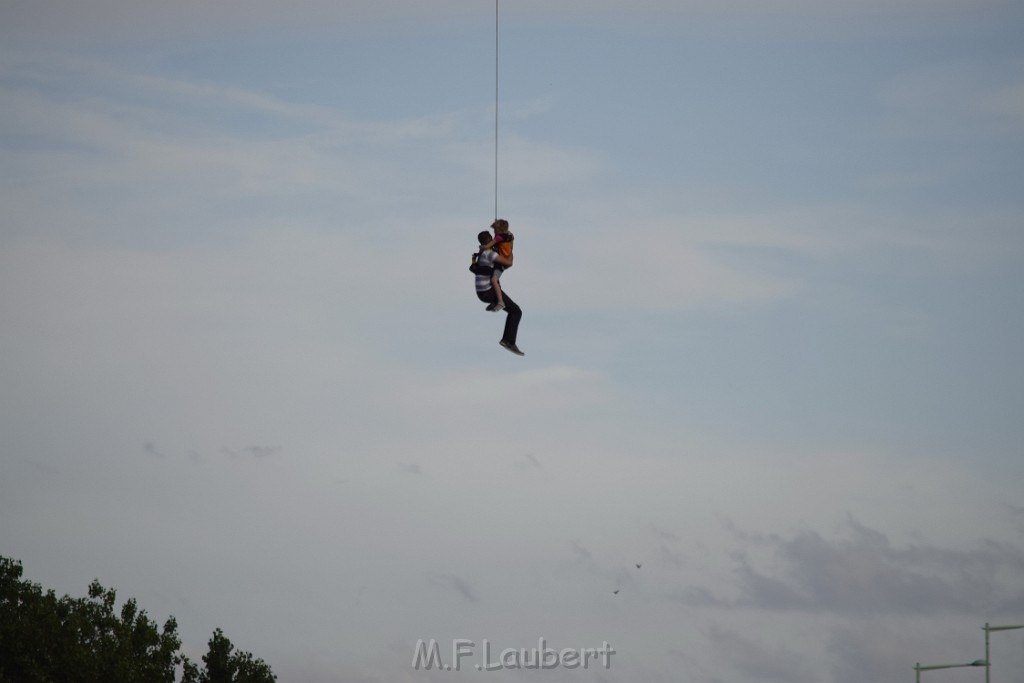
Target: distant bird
638,565
615,592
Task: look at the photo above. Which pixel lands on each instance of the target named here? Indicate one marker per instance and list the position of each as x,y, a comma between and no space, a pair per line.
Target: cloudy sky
770,257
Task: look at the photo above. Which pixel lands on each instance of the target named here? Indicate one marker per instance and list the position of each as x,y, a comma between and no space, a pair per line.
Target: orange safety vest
504,247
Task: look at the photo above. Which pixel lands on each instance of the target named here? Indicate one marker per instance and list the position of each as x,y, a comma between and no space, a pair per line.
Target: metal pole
932,667
988,660
988,628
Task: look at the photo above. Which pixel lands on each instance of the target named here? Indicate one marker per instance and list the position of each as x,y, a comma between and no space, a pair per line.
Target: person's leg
496,286
515,314
488,296
495,292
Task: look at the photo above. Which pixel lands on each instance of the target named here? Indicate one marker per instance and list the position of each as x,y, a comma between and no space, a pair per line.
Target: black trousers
511,308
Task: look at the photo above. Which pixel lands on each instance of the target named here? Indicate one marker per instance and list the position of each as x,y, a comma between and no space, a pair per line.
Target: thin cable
496,110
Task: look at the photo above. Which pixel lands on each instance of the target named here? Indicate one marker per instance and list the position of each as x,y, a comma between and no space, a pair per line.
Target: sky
770,260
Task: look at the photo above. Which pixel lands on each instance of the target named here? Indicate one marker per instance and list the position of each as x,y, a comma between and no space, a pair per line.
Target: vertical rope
496,110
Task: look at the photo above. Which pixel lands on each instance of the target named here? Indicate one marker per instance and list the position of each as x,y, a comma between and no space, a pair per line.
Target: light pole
918,668
988,628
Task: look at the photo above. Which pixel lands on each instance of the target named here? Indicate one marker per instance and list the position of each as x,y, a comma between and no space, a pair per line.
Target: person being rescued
503,239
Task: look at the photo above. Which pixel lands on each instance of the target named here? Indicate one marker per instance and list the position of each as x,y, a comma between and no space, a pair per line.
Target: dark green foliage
225,666
46,639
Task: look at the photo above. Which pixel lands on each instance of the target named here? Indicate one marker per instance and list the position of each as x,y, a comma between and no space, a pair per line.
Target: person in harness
487,266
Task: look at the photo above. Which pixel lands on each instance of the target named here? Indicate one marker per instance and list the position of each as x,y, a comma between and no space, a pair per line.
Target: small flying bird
638,565
615,592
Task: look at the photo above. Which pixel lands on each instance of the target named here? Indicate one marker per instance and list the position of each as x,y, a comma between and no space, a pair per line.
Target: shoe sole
511,349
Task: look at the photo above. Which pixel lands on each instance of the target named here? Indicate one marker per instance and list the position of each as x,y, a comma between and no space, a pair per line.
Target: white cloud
866,574
653,268
155,172
753,660
491,398
1007,103
149,20
954,101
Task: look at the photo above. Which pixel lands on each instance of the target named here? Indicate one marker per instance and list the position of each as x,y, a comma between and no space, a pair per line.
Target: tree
223,665
44,639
